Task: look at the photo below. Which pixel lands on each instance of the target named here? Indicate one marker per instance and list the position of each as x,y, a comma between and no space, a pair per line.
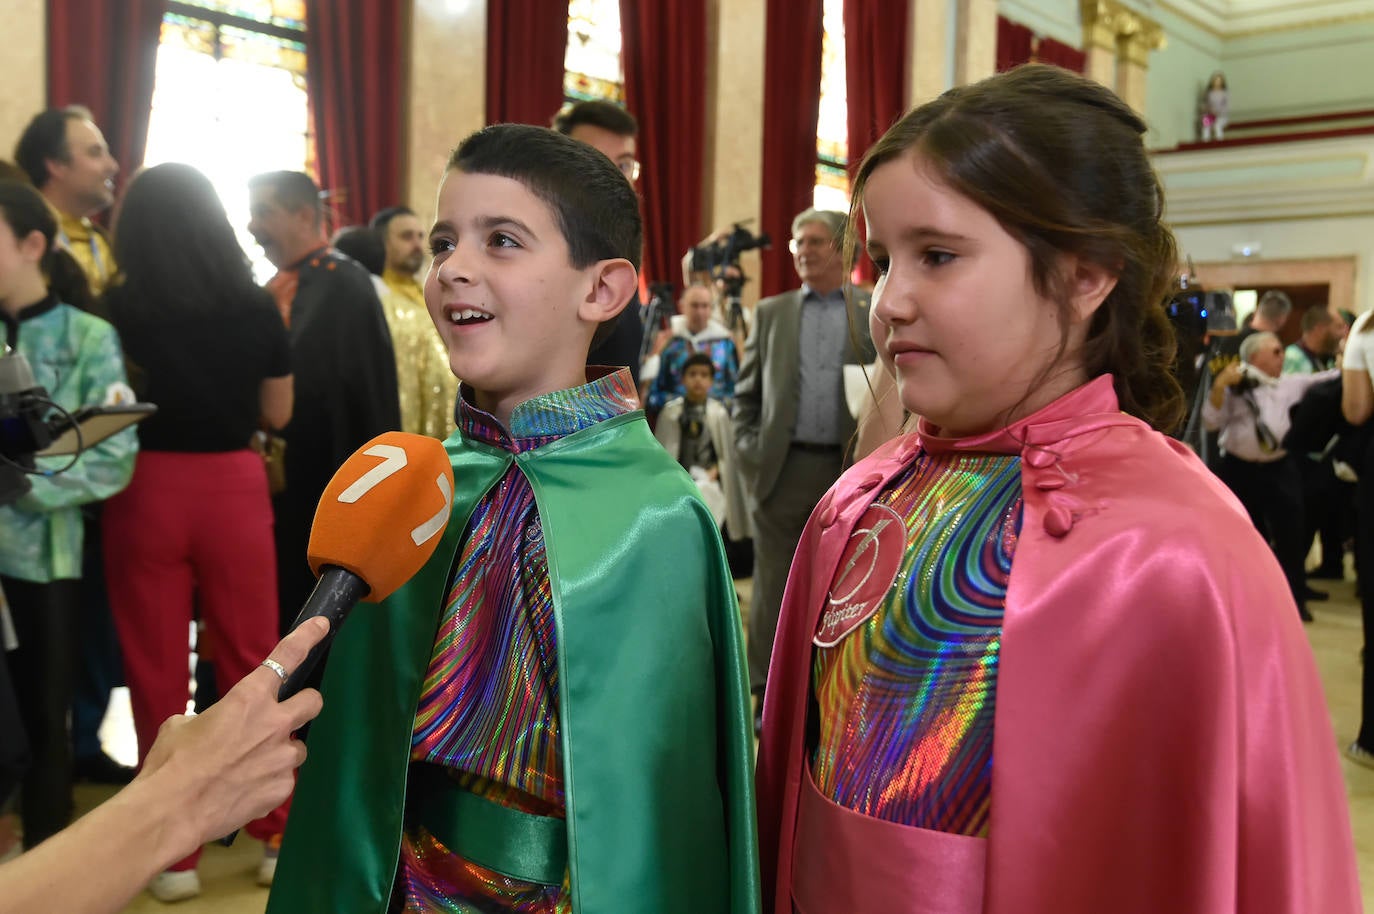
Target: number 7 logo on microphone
393,461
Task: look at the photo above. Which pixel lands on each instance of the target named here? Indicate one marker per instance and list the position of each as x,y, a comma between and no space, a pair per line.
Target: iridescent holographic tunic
906,697
489,707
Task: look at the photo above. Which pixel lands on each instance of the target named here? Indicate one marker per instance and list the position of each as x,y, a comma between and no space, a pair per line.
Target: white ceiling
1238,17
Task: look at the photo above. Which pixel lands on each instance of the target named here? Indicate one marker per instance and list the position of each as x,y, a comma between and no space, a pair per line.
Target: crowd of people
558,712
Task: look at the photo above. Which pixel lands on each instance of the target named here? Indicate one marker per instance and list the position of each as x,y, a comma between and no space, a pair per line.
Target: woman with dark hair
208,346
1033,657
76,358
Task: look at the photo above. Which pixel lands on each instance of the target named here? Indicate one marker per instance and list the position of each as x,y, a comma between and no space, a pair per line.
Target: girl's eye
937,258
880,264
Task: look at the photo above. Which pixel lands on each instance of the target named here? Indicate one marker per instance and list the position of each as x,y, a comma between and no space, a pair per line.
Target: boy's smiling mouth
463,315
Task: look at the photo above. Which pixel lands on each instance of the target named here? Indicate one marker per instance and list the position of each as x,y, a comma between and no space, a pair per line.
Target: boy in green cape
552,715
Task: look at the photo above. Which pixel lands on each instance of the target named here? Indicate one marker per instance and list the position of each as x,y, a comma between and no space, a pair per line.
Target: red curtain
663,46
875,42
1014,44
103,54
527,41
792,88
354,77
1061,55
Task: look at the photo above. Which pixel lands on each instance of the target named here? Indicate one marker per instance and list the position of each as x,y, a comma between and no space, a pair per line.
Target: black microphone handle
336,593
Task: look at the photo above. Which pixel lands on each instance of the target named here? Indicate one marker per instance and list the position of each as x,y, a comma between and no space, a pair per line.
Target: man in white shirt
1249,406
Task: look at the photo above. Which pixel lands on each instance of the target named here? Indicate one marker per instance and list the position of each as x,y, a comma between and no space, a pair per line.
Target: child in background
1034,658
76,357
695,428
1216,108
552,715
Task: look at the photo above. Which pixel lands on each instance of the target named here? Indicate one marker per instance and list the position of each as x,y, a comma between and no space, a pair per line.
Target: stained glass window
592,68
284,13
230,98
832,130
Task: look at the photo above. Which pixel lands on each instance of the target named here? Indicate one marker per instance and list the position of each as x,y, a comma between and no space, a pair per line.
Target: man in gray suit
792,428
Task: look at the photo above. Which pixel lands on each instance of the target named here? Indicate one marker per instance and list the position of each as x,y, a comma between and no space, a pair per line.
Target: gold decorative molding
1110,25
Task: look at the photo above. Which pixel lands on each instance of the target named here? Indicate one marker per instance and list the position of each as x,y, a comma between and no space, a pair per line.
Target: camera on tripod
720,259
716,257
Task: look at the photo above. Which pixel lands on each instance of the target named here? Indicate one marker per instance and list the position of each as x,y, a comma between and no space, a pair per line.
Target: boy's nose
455,268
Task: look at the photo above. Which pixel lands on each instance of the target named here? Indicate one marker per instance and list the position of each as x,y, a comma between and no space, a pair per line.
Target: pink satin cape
1161,741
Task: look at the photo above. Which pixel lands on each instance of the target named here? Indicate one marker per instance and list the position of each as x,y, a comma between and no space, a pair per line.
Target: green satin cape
653,701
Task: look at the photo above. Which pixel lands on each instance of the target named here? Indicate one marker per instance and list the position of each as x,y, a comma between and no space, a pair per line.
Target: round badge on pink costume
868,566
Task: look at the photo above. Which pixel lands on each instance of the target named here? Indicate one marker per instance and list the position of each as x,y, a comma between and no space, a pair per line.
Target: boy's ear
614,284
1089,285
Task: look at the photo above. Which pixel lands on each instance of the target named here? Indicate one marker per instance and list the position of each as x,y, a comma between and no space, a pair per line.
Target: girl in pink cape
1033,658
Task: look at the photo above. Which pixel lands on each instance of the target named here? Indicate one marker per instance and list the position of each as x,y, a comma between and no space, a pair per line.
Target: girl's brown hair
1058,161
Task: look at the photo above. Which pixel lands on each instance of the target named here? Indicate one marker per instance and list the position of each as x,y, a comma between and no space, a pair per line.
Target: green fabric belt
518,845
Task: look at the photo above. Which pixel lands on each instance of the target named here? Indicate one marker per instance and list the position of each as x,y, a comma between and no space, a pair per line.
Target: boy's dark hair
26,211
699,358
292,190
45,139
1058,160
382,218
606,115
594,206
364,244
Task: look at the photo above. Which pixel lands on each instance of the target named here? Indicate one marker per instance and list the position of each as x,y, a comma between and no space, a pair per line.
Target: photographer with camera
1249,405
715,262
691,331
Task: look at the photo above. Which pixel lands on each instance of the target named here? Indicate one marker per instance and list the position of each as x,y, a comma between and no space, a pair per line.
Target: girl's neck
26,291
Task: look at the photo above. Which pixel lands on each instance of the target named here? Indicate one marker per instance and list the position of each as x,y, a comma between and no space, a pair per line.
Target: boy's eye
937,258
502,240
880,264
439,246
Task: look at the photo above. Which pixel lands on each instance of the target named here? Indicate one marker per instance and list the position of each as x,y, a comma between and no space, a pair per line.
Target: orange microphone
379,520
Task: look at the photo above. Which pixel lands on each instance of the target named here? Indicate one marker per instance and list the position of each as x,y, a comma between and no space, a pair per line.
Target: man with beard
65,156
345,373
426,383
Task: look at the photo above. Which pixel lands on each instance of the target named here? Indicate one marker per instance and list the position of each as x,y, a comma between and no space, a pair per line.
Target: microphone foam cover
384,512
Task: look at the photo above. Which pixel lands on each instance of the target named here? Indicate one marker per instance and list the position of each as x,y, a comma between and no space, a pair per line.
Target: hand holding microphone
379,520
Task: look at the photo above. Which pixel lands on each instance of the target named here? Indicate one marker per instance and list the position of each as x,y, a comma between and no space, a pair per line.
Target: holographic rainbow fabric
489,707
906,699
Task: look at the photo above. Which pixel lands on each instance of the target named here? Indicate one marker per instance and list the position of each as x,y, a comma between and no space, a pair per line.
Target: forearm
117,848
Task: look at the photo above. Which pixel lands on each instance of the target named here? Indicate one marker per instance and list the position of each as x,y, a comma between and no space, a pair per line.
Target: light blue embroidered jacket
76,357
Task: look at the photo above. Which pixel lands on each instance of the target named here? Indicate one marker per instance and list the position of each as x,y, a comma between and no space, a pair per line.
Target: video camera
32,425
1205,329
721,260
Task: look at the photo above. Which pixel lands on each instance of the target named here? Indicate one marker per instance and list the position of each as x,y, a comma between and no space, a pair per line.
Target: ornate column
928,59
733,162
1138,37
975,42
1118,41
24,68
447,95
